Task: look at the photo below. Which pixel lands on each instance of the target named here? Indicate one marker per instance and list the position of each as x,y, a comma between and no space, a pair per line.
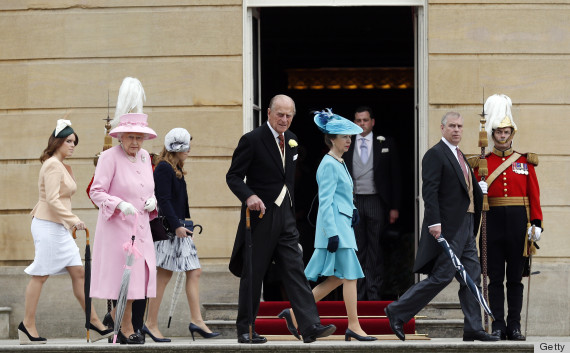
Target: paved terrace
284,344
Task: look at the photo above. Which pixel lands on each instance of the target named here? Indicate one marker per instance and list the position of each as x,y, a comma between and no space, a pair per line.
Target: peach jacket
56,185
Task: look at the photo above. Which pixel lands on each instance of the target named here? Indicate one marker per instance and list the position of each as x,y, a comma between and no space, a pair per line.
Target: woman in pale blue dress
335,245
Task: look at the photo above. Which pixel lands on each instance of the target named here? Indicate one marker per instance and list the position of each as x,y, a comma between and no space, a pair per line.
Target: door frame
250,10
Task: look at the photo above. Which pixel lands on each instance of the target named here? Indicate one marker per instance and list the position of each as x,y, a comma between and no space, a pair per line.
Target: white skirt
177,255
55,249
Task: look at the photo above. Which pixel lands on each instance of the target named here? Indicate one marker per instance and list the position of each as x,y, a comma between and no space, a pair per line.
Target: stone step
283,345
220,311
5,321
434,310
442,310
226,328
442,328
443,319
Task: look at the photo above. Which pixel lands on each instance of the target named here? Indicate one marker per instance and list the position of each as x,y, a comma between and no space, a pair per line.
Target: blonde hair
170,158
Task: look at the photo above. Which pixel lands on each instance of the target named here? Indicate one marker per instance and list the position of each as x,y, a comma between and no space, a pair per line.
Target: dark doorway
345,38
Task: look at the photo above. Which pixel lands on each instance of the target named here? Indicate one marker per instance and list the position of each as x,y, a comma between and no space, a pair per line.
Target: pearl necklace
340,160
129,157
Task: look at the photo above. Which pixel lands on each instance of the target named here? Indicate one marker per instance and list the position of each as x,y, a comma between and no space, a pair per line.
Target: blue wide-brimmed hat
333,124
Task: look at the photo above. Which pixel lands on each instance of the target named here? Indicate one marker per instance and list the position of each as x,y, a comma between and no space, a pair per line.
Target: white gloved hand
536,235
483,186
126,208
150,204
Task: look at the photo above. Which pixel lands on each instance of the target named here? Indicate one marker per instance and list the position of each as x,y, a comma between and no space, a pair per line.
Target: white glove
150,204
483,186
126,208
534,236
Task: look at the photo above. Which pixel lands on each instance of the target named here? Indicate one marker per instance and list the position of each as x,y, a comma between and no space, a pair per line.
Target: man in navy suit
373,163
452,207
266,158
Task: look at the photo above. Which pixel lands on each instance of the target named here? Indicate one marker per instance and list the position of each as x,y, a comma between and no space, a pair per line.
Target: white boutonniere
381,139
293,143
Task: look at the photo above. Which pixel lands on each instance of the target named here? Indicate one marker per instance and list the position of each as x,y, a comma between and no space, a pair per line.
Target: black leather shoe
479,336
244,338
286,314
395,324
135,338
351,334
499,333
516,335
318,331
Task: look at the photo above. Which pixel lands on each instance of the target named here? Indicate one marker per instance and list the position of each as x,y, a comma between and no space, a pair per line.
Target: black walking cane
249,256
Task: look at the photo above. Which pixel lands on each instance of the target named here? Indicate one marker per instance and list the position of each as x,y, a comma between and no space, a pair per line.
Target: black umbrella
87,284
468,281
124,289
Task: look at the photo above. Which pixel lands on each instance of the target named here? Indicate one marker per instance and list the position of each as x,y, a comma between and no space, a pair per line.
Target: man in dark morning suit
452,208
266,158
373,163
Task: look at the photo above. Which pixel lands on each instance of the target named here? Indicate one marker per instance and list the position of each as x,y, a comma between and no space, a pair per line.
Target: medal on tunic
143,158
520,168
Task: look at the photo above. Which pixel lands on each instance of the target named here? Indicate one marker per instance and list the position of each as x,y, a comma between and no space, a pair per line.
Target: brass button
505,190
503,158
504,178
504,173
505,195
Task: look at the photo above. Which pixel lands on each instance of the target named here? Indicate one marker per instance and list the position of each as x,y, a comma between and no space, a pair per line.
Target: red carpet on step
371,316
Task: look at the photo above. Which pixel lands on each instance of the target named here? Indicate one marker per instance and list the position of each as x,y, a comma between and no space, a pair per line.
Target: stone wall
63,58
521,50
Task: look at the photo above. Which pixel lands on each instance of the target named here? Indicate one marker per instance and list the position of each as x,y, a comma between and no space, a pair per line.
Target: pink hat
133,122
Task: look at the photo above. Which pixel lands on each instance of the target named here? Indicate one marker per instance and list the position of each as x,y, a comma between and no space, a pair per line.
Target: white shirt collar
275,133
453,148
368,137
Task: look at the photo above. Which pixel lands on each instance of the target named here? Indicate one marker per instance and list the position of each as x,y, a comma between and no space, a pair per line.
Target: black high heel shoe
146,331
25,337
286,314
193,328
99,334
351,334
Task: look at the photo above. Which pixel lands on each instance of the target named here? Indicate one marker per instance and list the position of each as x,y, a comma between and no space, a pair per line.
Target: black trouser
276,237
420,294
506,231
367,233
137,318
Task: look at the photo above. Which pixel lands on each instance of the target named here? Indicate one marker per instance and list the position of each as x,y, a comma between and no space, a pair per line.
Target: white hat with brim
133,123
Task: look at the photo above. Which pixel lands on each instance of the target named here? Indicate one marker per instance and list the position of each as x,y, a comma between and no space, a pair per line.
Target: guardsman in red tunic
514,202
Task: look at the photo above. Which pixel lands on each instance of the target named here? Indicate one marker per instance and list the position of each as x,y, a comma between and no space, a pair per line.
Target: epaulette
532,158
473,160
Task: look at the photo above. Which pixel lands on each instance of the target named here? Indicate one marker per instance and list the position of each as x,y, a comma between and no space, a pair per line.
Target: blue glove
355,217
333,244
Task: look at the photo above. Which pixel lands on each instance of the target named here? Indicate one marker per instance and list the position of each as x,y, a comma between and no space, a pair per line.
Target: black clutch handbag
160,228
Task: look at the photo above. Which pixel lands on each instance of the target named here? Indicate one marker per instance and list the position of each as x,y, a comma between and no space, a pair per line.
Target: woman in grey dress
177,254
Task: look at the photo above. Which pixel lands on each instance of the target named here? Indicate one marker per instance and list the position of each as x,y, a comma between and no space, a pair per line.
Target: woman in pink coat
123,189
